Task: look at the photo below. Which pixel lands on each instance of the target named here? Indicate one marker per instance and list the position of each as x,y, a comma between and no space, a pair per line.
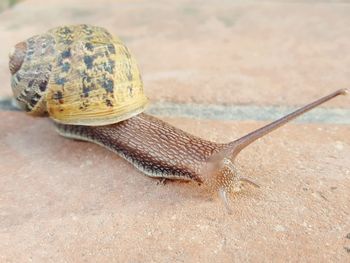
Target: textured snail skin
152,145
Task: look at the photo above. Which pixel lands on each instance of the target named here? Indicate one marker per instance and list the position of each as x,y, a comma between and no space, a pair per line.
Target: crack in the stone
247,112
7,105
233,112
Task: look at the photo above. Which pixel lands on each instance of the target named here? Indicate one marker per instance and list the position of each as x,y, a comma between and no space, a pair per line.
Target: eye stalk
16,57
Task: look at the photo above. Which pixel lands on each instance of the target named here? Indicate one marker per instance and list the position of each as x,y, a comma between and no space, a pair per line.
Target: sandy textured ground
70,201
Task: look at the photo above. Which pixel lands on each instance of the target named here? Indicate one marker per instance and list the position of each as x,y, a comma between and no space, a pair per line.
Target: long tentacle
233,148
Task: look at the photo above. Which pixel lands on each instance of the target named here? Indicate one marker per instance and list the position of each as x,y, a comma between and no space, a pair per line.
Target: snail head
222,176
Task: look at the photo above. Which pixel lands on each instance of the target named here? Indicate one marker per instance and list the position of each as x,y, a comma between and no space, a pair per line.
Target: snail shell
79,75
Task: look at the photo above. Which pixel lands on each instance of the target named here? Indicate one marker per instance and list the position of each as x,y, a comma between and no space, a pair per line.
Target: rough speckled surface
70,201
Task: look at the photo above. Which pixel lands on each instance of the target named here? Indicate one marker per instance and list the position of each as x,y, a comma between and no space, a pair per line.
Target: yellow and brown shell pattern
79,75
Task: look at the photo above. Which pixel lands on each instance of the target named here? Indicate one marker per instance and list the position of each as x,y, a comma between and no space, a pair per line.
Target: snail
89,84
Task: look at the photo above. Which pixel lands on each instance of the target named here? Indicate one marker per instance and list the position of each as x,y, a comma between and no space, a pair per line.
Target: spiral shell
77,74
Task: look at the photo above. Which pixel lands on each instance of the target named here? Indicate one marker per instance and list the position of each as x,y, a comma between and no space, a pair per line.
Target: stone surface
232,52
71,201
74,201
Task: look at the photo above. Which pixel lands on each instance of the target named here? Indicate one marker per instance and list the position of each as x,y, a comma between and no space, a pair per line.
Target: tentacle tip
249,181
223,195
345,91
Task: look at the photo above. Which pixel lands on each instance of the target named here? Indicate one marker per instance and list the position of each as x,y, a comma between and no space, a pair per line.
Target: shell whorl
30,65
16,57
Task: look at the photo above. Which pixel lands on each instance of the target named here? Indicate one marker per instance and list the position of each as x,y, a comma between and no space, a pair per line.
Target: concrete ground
70,201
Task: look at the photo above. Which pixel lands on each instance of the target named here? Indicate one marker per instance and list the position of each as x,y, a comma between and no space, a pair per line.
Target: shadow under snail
87,81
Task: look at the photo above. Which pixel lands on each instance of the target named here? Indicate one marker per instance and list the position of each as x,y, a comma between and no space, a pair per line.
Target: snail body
87,81
157,148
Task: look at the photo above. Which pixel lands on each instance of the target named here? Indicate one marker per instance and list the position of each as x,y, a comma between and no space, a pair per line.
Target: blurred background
217,52
7,3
